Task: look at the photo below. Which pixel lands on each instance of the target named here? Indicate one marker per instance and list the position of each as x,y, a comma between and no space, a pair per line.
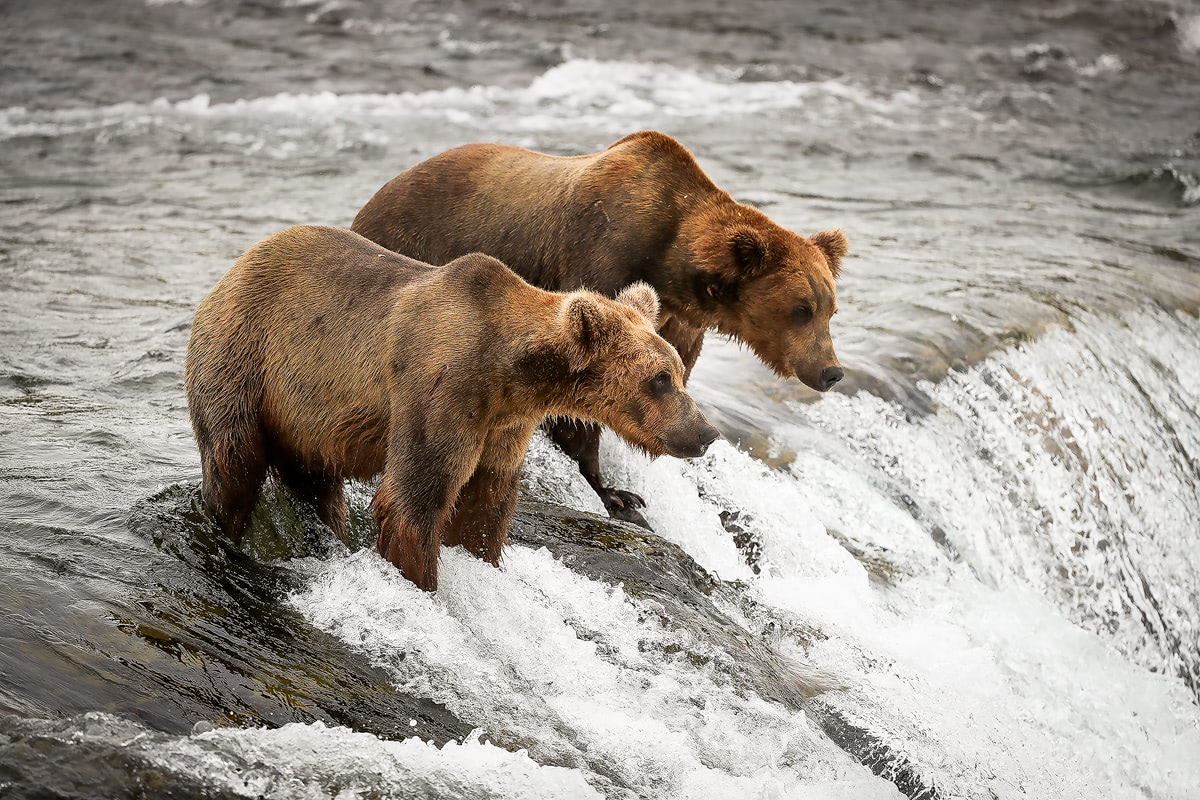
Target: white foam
1066,467
319,761
618,96
1189,33
1105,63
1040,56
579,673
976,676
1032,461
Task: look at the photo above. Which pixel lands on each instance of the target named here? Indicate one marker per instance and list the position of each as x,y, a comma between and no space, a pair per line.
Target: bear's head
627,376
773,290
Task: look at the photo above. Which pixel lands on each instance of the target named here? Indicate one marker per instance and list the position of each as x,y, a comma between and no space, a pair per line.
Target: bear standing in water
641,210
326,357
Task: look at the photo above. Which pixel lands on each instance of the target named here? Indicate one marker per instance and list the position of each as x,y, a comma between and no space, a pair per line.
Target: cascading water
1067,467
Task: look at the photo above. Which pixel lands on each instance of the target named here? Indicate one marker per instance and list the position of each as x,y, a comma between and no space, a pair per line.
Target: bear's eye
802,314
660,384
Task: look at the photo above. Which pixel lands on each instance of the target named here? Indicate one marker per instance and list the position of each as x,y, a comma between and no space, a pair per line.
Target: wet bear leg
581,441
485,505
235,467
422,478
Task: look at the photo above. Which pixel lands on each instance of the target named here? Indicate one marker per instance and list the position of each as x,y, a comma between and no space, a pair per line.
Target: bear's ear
749,250
587,329
833,244
641,297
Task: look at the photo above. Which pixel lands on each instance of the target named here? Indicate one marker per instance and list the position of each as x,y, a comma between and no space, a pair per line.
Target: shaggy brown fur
326,357
641,210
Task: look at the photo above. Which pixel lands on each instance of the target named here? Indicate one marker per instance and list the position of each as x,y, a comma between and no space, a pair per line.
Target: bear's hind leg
234,471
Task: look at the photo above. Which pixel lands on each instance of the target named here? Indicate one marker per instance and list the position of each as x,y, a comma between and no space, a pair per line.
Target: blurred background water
988,532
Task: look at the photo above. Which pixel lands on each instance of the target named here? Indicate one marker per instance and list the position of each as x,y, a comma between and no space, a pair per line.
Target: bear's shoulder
481,278
653,159
654,143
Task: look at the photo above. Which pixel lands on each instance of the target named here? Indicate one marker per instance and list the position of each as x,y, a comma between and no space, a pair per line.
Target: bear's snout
818,377
830,376
692,441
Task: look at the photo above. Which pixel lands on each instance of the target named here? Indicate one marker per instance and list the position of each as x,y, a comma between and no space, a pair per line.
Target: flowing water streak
297,762
578,92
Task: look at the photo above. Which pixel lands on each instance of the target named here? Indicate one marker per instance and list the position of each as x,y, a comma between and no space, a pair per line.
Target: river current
987,536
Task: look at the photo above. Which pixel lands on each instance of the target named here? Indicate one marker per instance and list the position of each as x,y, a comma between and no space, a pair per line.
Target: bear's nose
830,376
708,434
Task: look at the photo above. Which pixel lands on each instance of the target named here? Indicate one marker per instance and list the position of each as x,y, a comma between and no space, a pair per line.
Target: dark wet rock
874,753
747,540
214,638
56,759
612,551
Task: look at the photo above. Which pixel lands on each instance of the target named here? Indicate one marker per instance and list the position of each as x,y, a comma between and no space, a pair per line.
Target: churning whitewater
948,587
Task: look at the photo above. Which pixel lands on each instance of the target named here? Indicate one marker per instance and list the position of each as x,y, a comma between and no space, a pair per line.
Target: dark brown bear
642,210
326,357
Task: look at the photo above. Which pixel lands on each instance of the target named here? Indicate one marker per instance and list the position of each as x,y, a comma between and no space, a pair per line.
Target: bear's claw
624,505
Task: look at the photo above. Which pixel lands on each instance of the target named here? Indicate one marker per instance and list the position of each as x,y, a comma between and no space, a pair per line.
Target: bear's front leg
411,545
485,505
581,441
421,478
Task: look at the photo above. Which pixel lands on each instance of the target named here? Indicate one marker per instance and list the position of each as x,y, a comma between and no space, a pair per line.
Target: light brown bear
326,357
641,210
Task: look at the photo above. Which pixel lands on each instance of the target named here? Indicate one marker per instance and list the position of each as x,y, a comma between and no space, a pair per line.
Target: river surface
987,536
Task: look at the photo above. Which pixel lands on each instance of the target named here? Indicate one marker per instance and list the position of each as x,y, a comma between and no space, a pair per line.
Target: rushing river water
987,536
